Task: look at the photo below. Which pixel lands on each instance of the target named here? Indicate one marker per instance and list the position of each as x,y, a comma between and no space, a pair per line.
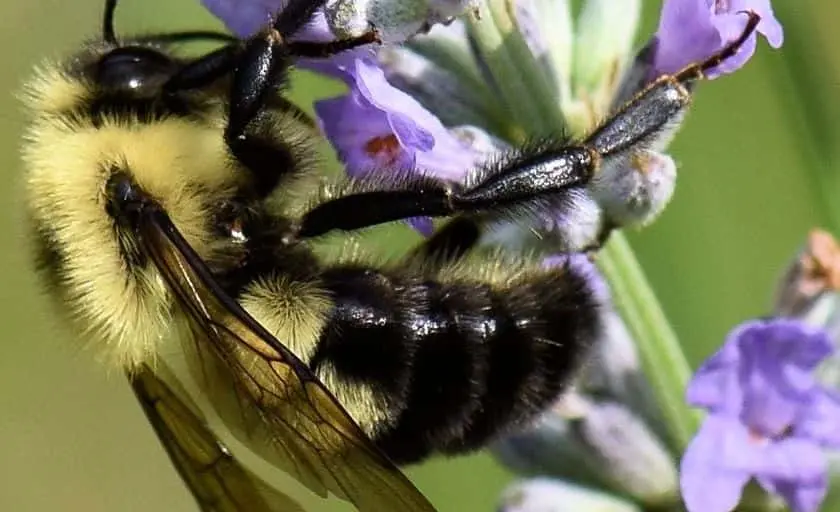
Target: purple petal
582,265
769,26
685,34
423,225
796,343
730,447
768,405
778,357
800,496
362,136
451,159
791,459
726,447
820,421
378,127
244,17
707,485
715,385
730,26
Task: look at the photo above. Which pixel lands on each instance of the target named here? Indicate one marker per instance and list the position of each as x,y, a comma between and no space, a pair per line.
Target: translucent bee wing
273,391
218,482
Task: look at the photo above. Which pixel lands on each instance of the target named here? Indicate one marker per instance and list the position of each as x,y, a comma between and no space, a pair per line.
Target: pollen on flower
755,437
384,148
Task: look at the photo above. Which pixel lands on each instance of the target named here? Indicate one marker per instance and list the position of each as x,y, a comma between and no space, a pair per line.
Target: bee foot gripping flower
691,30
769,418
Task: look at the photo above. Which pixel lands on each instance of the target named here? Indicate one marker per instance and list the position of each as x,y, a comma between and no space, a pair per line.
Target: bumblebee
174,219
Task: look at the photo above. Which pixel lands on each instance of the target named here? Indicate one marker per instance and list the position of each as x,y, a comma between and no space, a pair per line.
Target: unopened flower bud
633,191
809,291
614,372
547,495
394,20
546,27
574,226
602,444
605,32
815,273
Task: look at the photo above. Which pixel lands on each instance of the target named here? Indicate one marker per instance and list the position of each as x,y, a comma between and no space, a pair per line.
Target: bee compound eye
133,68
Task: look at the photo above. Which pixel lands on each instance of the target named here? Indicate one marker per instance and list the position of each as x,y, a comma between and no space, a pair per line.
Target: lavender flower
769,418
244,18
377,127
691,30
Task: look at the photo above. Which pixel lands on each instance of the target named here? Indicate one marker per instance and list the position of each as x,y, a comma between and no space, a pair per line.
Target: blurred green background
755,156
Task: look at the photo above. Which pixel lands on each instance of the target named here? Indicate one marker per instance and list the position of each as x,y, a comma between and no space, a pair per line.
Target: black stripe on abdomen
459,362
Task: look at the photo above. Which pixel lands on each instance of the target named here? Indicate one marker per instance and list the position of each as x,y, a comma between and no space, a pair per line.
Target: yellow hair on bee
367,406
293,311
125,311
492,266
51,91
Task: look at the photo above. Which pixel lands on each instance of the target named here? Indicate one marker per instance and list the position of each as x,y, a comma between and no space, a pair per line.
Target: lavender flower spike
691,30
769,419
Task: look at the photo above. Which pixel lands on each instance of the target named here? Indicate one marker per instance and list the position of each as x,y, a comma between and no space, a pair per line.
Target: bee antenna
108,33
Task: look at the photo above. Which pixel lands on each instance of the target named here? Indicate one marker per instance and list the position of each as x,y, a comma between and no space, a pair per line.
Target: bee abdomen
452,364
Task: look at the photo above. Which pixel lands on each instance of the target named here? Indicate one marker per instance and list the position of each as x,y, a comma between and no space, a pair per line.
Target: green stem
663,361
532,103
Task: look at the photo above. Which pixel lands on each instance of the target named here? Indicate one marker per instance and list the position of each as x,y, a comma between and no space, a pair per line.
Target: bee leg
533,180
204,70
294,15
323,50
523,183
451,242
267,58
